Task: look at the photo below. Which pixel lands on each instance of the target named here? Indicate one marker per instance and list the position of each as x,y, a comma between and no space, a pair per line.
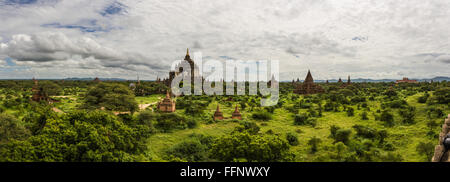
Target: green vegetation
111,121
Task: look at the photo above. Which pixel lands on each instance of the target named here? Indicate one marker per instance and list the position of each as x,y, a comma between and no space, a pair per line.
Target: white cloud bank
367,39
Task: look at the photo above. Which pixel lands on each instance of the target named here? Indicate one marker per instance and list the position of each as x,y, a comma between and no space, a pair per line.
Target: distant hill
102,79
439,79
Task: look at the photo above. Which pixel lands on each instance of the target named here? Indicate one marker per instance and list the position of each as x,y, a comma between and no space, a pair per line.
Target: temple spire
187,57
167,94
309,78
138,81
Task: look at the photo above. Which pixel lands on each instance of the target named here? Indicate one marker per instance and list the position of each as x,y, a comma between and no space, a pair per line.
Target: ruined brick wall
440,153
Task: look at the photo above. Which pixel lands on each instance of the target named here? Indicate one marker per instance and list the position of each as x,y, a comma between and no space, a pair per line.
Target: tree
261,115
425,149
408,115
390,93
10,128
50,88
442,96
388,118
252,148
292,139
303,119
246,126
169,121
343,135
350,111
189,150
333,131
111,96
314,142
364,115
94,136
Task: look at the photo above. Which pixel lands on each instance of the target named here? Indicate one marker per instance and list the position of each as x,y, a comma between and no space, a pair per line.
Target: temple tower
218,115
308,86
236,114
167,104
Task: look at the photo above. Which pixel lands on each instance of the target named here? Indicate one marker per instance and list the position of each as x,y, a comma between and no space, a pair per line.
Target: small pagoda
343,85
406,80
38,93
218,115
236,114
167,104
308,86
97,80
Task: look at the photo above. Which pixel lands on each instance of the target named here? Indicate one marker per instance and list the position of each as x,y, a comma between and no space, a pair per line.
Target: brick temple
406,80
194,71
167,104
218,115
236,114
38,93
308,86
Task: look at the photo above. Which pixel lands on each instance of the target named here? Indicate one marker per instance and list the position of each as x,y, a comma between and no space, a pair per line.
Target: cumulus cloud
121,37
51,47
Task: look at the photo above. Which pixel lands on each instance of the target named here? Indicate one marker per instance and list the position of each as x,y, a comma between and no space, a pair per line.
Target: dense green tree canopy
111,96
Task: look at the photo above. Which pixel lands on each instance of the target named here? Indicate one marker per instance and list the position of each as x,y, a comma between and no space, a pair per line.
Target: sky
124,38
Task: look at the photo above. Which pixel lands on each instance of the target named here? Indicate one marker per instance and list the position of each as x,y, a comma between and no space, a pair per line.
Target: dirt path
57,110
144,106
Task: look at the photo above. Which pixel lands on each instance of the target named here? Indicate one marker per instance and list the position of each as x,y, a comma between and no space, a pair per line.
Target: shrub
246,126
408,115
388,118
146,118
270,109
364,115
333,131
292,139
260,115
365,132
303,119
252,148
192,123
350,111
312,112
314,142
425,149
191,151
169,121
343,135
364,105
358,99
423,99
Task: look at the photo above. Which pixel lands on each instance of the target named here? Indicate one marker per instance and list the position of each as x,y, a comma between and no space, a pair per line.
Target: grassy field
404,137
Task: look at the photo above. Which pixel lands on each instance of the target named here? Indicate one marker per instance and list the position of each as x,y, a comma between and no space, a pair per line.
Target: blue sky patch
9,62
11,2
112,9
82,28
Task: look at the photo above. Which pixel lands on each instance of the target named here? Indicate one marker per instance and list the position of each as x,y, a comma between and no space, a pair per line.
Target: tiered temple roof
236,114
193,69
218,115
167,104
308,86
406,80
